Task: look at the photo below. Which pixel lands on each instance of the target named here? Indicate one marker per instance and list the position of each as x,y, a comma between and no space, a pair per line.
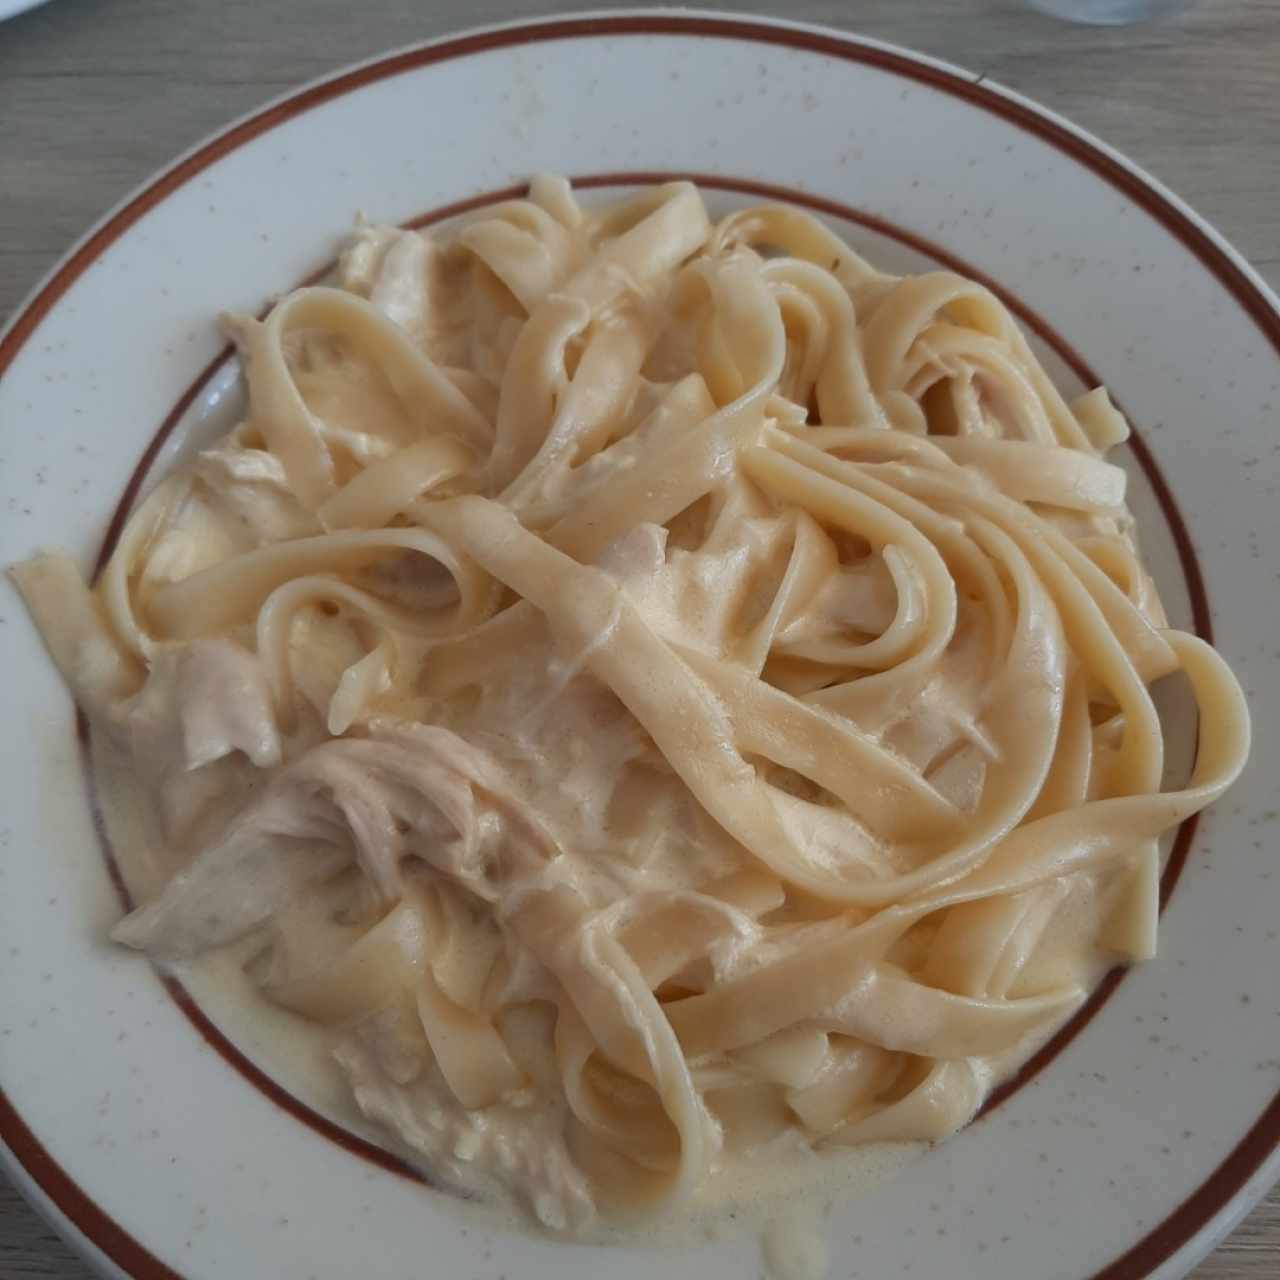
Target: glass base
1109,13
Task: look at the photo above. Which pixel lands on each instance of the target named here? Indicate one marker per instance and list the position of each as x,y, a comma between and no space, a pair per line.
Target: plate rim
1194,1226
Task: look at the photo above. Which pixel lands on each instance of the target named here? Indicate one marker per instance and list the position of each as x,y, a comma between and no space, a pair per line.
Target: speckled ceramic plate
1142,1133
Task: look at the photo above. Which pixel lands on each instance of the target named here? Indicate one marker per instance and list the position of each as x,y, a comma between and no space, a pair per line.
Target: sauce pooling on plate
661,694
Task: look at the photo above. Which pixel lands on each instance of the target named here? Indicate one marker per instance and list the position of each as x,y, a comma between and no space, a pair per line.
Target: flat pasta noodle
651,687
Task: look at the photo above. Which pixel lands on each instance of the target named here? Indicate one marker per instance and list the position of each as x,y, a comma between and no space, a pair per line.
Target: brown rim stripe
96,1227
1254,1148
1164,1241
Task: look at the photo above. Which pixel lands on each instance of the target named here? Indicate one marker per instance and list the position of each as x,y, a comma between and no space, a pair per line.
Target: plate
164,1149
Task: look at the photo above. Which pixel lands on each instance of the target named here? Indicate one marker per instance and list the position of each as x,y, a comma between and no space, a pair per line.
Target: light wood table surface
97,94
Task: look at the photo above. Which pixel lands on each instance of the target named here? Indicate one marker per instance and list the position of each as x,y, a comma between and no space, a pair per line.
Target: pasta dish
662,691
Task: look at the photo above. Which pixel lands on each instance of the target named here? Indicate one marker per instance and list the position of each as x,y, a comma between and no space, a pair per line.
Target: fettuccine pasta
656,688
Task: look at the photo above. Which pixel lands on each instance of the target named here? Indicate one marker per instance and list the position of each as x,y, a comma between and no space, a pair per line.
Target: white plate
1152,1130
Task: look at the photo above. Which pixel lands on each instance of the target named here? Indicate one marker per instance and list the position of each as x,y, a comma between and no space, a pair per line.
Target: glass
1109,13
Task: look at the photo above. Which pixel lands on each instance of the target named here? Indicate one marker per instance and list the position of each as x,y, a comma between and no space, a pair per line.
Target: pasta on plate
663,691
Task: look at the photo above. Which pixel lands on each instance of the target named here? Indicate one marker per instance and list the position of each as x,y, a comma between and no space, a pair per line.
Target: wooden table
97,94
